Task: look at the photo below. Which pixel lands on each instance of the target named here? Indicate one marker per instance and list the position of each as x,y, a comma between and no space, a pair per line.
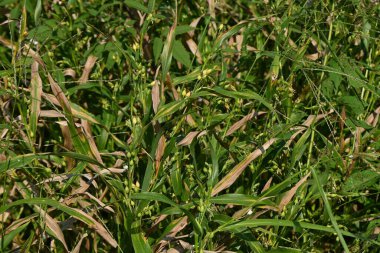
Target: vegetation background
189,126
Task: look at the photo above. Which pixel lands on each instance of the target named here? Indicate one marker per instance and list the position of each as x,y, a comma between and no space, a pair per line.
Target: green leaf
49,202
183,29
140,244
8,238
167,52
244,94
37,11
280,223
235,29
361,180
170,108
136,5
238,199
157,48
353,104
299,148
180,54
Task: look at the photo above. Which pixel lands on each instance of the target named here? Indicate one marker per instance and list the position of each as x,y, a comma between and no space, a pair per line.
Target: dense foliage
189,126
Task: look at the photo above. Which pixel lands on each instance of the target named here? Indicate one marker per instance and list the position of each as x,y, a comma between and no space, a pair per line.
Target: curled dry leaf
231,177
90,63
289,194
69,72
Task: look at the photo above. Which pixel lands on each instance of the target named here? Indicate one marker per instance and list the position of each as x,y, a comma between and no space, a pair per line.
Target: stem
323,195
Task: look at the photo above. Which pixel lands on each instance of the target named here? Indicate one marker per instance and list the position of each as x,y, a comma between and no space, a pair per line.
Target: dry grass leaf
112,170
312,57
52,99
160,152
31,53
53,226
307,123
289,194
188,139
371,120
99,228
4,216
90,63
6,42
100,203
239,42
231,177
2,157
55,178
156,96
51,114
68,144
194,49
69,72
242,122
90,139
3,133
204,132
181,224
77,247
194,24
58,93
267,185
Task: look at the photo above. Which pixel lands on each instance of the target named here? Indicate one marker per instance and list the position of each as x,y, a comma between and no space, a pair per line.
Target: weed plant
189,126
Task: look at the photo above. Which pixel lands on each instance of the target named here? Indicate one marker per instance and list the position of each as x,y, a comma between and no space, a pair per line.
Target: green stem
323,194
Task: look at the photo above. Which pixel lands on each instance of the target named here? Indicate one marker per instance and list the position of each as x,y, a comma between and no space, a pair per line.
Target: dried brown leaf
50,114
194,49
100,203
289,194
242,122
53,226
267,185
90,139
58,93
99,228
69,72
77,247
194,24
231,177
188,139
160,152
90,63
307,123
155,96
